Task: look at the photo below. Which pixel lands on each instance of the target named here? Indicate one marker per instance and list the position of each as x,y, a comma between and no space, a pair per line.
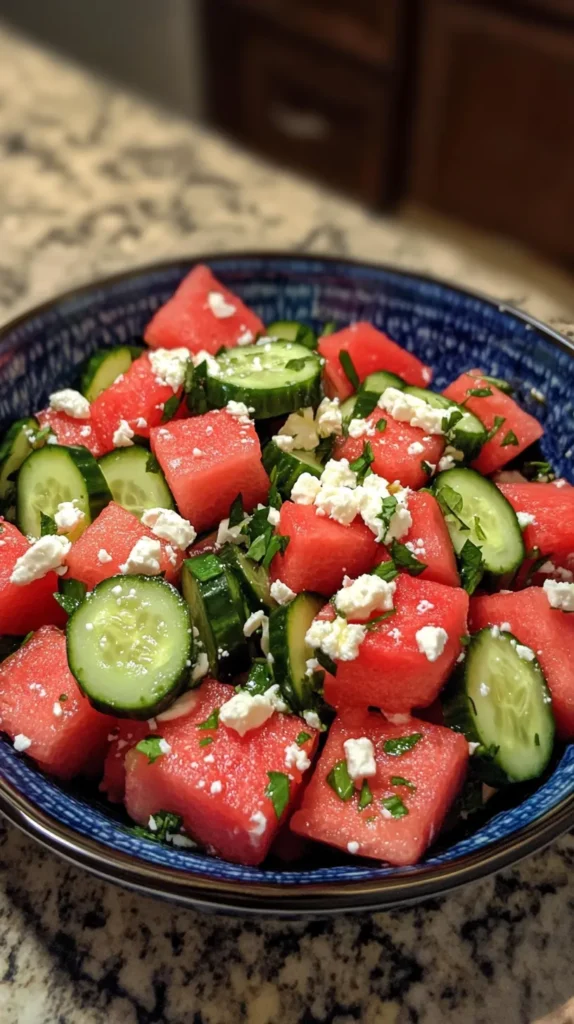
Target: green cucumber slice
252,577
217,611
288,626
130,645
501,701
135,480
292,330
475,510
272,379
468,434
381,380
289,466
54,474
359,405
103,367
16,446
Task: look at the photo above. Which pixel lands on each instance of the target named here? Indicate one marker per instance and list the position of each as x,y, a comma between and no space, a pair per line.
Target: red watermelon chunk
552,531
70,431
188,319
114,533
434,767
136,397
370,350
208,460
27,607
525,428
390,447
391,672
548,631
67,736
124,735
219,789
320,551
430,541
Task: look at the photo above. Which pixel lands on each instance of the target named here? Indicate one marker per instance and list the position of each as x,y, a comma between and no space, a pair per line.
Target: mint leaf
386,571
388,509
278,791
397,780
340,781
509,439
404,559
364,405
362,465
70,594
151,748
402,744
498,422
152,465
349,369
47,525
381,425
471,566
166,824
479,392
212,722
395,806
236,512
302,738
170,408
325,661
277,544
365,796
206,741
478,528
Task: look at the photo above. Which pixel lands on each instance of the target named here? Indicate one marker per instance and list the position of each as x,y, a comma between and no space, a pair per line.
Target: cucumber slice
289,466
135,479
54,474
16,446
217,611
501,700
288,626
271,379
381,380
102,369
475,510
468,434
498,382
292,330
252,577
130,645
362,403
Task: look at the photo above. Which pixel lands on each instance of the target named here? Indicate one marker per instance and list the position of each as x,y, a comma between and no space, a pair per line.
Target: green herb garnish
166,825
395,806
151,748
340,781
325,661
70,594
498,422
302,738
479,392
386,571
397,780
509,438
388,508
362,465
47,525
236,512
471,566
278,791
206,741
365,796
404,559
212,722
402,744
349,369
381,425
170,408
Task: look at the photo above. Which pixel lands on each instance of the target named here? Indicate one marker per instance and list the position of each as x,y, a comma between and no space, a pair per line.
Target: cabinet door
494,136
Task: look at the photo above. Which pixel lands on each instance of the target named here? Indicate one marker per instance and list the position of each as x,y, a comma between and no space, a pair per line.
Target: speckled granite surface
92,181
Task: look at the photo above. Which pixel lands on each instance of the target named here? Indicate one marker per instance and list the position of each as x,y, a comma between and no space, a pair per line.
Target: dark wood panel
494,140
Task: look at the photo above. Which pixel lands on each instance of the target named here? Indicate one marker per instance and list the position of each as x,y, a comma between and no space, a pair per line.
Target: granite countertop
93,181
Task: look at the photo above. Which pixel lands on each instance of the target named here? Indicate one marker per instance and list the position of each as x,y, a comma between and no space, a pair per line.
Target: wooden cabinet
494,133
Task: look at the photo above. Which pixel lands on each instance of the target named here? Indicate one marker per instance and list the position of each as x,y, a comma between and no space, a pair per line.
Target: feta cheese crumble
361,428
301,427
219,306
273,516
410,409
169,366
284,441
523,652
329,419
431,641
201,667
560,595
68,516
338,639
239,410
367,594
360,758
311,718
21,742
255,621
353,846
305,489
169,526
246,337
259,824
57,709
164,746
281,593
144,558
71,402
244,712
42,556
416,448
104,556
424,606
525,519
123,435
216,787
371,496
295,757
227,534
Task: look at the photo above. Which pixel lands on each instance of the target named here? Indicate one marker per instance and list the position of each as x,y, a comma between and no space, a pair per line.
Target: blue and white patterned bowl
449,329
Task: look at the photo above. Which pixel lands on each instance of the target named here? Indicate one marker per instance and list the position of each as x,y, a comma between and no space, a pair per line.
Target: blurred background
460,109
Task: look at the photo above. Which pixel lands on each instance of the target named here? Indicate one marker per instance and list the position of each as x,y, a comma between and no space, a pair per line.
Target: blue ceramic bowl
449,329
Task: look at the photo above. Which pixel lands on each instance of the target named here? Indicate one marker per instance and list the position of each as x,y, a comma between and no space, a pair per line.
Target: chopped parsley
398,780
278,791
212,722
166,826
402,744
340,781
206,741
365,796
404,558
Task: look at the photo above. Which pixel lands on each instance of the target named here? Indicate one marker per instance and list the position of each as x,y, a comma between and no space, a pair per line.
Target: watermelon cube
40,702
548,631
551,532
137,396
429,540
202,314
516,432
106,544
411,792
208,460
220,787
70,431
124,734
399,450
370,350
320,551
393,670
27,607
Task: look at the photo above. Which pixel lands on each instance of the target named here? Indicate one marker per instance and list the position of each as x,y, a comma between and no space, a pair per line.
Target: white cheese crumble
239,410
484,689
301,428
329,419
560,595
273,516
255,621
164,746
424,606
305,489
169,366
202,356
361,428
360,758
259,824
472,748
123,435
246,337
446,462
244,712
353,846
68,516
21,742
57,709
416,448
431,641
104,556
523,652
227,534
295,757
42,556
219,306
371,495
144,558
216,787
525,519
168,525
311,718
367,594
201,667
71,402
338,639
281,593
284,441
410,409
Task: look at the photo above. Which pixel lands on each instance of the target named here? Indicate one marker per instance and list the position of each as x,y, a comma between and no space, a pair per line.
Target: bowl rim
292,900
